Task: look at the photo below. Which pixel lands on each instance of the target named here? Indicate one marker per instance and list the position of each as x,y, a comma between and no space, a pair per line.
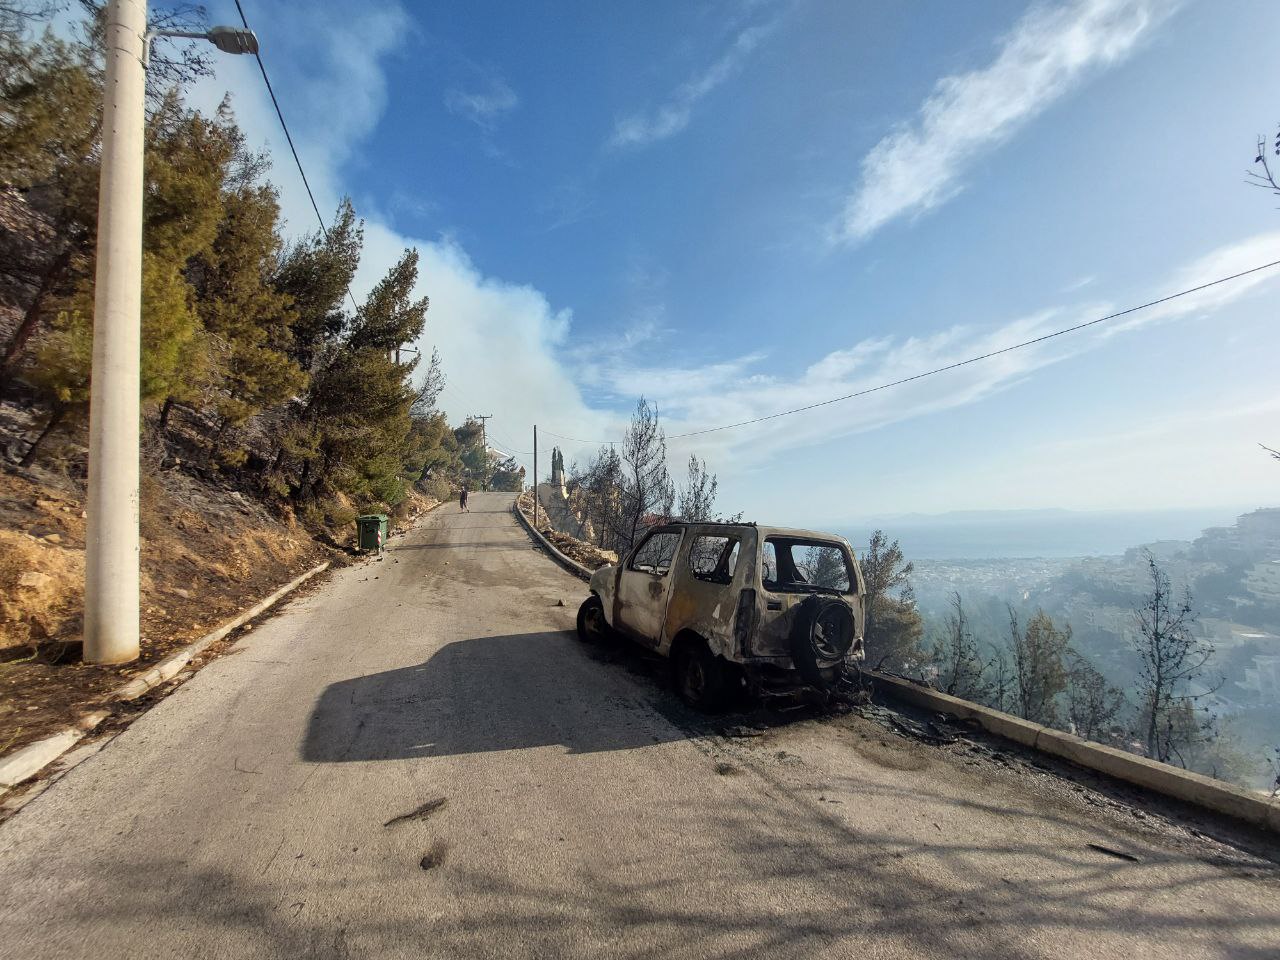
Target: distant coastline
1047,534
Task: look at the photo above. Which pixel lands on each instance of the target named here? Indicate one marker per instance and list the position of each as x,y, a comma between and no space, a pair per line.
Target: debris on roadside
587,554
1118,854
739,731
420,813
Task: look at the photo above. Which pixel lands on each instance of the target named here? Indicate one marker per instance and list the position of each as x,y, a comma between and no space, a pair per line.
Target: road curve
253,813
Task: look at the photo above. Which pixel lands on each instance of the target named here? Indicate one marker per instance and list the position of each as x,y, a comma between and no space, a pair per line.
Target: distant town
1232,572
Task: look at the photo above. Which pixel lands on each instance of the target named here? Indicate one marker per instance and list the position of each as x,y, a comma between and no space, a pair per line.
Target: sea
1005,534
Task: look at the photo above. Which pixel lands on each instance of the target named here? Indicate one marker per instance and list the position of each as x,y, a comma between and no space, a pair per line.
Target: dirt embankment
587,554
208,552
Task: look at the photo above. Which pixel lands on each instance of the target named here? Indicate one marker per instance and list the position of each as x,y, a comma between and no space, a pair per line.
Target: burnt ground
208,552
891,732
894,726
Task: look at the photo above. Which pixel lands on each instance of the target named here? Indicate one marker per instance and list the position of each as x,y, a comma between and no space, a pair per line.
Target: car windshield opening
805,566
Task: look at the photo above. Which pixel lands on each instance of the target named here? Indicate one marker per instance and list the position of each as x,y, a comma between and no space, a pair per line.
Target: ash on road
287,802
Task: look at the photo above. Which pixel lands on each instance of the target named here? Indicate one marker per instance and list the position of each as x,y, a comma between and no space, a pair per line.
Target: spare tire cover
822,636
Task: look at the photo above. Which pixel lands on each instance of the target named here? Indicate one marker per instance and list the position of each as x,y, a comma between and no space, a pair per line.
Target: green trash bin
371,531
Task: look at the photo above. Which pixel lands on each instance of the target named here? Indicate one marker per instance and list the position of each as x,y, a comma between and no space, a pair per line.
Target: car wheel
700,677
592,626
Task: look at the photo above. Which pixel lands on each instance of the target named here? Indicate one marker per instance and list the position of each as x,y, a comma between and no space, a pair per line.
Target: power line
289,137
575,439
513,454
961,363
450,386
509,447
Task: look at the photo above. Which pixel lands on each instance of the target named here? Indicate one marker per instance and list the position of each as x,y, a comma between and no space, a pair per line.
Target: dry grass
207,553
39,587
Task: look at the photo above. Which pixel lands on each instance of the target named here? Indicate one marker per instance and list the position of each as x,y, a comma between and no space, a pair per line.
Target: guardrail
1255,808
573,566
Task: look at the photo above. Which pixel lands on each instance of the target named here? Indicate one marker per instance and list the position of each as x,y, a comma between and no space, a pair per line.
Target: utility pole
484,442
111,577
535,476
403,349
111,541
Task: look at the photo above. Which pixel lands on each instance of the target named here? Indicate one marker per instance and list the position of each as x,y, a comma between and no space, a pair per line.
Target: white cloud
1225,261
1049,52
694,397
642,129
483,107
743,388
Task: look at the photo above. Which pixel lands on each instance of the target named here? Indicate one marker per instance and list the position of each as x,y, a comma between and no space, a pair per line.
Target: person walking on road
462,499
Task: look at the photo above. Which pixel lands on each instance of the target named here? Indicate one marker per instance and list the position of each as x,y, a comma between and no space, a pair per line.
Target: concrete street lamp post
111,577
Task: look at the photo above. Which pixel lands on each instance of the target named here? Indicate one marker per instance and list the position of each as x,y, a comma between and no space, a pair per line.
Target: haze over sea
1000,534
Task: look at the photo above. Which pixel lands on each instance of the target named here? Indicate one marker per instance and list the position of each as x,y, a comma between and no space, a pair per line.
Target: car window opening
713,558
656,553
805,566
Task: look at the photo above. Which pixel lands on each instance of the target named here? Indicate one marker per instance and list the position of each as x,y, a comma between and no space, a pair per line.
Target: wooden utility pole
535,476
484,441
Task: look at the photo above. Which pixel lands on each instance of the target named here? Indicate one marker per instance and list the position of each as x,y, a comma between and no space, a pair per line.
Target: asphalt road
586,815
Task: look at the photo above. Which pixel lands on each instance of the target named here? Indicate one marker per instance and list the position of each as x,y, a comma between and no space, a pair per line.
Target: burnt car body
735,604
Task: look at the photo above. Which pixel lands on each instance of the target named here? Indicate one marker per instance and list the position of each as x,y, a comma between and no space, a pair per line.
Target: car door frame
706,606
657,601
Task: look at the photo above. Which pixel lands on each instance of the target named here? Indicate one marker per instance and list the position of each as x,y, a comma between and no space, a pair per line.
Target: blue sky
736,208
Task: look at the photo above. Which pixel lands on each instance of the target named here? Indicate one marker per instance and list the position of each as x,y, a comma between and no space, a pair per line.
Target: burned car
735,605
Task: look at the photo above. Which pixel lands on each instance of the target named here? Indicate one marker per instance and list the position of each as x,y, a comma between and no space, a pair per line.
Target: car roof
791,533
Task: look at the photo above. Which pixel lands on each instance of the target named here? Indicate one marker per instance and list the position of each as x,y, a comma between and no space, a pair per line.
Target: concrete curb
31,759
34,757
573,566
1159,777
169,667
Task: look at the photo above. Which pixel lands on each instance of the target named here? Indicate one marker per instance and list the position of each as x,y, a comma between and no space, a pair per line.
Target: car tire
592,625
699,677
822,637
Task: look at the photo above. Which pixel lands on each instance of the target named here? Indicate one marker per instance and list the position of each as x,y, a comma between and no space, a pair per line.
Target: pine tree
315,274
1170,660
248,321
359,402
961,670
698,496
646,493
49,128
182,175
1093,705
892,622
1039,665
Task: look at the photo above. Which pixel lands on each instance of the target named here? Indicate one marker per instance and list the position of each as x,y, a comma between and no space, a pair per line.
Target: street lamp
226,39
111,543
